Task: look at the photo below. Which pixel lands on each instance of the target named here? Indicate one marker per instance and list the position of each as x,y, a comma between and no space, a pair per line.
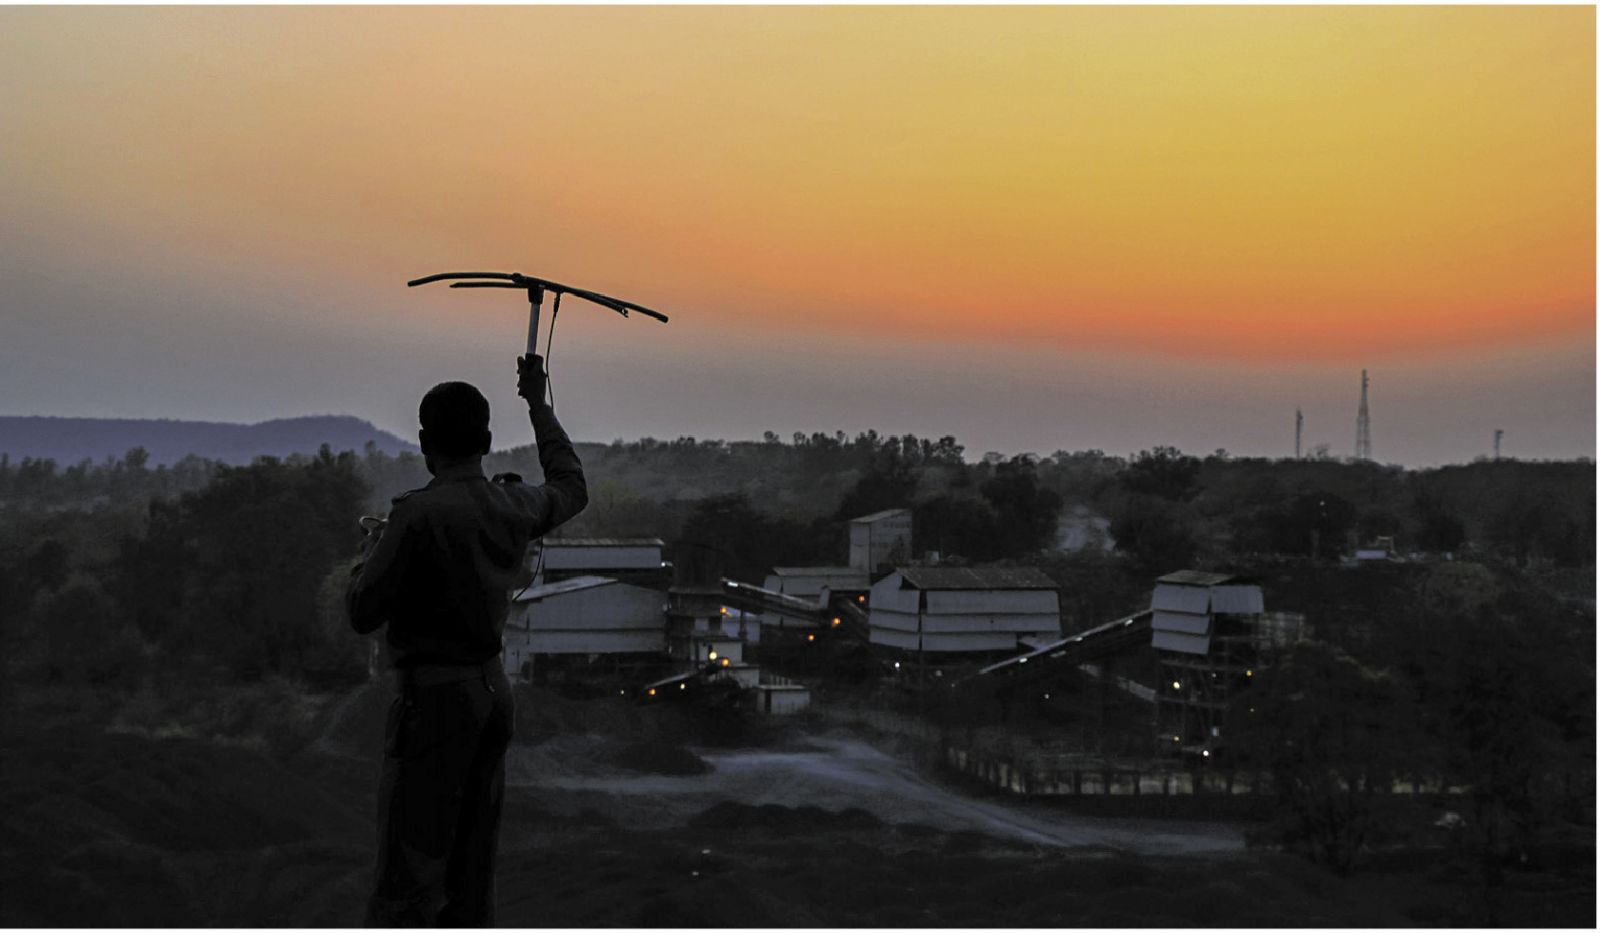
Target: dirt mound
660,758
117,829
352,723
787,820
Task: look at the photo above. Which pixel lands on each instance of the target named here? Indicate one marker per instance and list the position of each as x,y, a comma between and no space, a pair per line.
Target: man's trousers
439,800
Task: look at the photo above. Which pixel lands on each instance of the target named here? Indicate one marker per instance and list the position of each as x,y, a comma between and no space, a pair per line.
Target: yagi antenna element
536,289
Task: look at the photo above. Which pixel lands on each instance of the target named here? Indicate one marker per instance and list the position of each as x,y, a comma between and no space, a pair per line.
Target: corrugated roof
565,586
1198,578
819,572
604,542
976,578
886,513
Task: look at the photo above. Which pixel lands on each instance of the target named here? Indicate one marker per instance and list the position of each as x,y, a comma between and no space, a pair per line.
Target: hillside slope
72,440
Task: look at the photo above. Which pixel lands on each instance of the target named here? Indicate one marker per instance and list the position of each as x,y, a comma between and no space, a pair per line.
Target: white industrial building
1185,605
962,610
1206,629
586,615
880,538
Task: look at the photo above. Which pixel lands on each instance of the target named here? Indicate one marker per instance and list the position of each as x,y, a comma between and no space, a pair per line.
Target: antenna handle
535,299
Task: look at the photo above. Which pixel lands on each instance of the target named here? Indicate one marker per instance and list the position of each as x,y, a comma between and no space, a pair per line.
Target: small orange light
652,691
861,599
724,610
835,620
725,662
811,638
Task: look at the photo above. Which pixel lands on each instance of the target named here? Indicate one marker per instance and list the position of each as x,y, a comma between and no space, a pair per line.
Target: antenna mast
1363,424
1299,422
1497,433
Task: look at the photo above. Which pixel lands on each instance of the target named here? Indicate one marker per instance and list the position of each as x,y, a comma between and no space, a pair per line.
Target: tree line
205,567
164,553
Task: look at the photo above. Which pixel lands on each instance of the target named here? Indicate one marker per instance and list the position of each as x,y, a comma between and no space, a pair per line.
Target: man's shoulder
413,502
412,496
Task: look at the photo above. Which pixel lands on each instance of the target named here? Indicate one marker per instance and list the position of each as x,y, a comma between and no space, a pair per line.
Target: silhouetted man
440,575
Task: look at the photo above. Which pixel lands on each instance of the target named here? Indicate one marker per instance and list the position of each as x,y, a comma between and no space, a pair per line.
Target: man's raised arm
565,491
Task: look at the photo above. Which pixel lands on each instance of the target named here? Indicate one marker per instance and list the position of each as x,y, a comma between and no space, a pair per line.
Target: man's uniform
440,575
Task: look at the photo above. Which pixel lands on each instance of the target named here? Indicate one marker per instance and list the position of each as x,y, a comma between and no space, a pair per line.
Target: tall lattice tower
1299,422
1363,424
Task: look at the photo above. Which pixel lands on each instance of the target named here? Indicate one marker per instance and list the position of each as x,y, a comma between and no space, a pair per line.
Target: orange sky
1338,186
1262,182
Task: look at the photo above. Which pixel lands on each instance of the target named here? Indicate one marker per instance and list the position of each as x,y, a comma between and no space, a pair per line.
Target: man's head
455,422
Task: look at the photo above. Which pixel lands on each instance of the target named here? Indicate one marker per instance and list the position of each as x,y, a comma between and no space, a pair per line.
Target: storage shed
963,610
782,699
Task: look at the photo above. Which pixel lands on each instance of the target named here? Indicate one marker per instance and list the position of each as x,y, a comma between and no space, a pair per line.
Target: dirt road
834,773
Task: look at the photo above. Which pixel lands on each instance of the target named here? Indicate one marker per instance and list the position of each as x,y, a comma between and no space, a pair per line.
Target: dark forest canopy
1164,507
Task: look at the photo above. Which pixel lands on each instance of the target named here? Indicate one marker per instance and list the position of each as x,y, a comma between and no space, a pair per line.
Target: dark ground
137,828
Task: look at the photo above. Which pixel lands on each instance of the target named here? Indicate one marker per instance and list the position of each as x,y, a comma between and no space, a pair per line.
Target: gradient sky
1035,228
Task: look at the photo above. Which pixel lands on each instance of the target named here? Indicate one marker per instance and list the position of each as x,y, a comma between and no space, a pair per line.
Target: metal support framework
1190,717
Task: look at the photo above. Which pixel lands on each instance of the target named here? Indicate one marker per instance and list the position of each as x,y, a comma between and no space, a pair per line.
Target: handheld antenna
536,288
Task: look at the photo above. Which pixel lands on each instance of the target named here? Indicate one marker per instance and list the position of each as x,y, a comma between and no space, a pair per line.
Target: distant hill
71,440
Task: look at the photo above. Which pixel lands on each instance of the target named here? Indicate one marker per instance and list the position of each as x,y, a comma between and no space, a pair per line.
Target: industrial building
584,617
954,611
1210,635
726,655
1207,632
880,539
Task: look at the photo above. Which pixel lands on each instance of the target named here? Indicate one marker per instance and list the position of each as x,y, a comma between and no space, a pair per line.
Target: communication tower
1299,423
1363,424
